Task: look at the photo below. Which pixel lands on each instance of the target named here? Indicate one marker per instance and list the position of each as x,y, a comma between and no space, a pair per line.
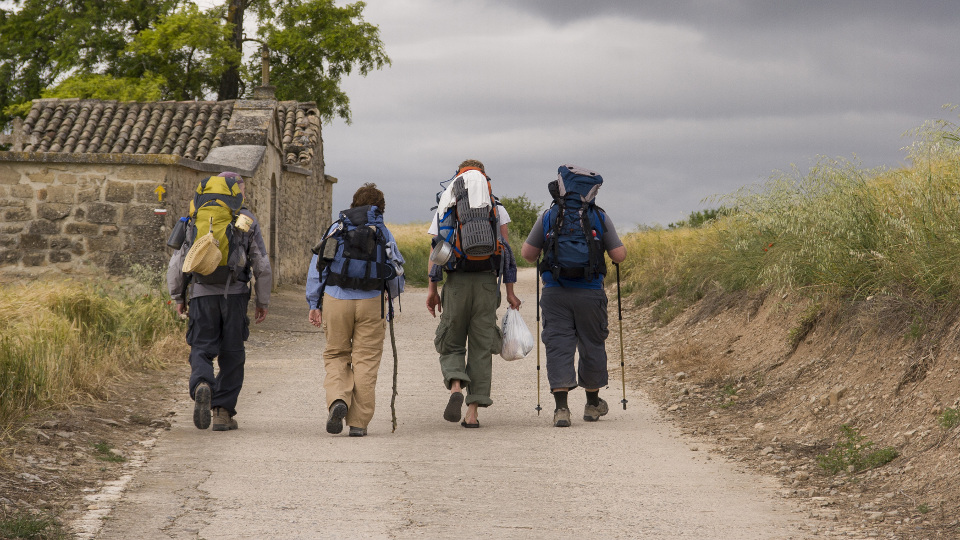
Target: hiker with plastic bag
219,248
469,246
517,339
574,234
355,273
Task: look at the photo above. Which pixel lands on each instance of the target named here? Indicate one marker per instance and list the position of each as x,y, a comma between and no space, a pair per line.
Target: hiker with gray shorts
574,235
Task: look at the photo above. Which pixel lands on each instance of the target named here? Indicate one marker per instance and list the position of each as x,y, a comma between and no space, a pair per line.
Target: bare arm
618,254
530,253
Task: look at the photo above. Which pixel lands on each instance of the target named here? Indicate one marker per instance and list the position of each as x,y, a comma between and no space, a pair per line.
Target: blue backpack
355,252
573,227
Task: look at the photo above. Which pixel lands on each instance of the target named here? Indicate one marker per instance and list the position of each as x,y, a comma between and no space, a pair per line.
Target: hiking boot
561,418
201,406
222,421
358,431
338,411
592,413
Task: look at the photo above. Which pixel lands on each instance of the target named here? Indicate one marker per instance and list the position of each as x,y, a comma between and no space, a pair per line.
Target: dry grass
414,244
838,231
64,340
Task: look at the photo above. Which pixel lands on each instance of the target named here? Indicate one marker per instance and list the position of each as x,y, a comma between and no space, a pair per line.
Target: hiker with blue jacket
355,273
574,235
218,323
469,246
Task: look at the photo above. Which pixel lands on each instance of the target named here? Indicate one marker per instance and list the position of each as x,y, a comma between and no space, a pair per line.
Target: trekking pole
537,338
393,398
623,377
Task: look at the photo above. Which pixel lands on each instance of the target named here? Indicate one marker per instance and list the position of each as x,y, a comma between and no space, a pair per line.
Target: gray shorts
575,320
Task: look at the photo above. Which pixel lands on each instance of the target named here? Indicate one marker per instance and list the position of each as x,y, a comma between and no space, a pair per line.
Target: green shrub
804,325
523,215
853,453
949,418
24,526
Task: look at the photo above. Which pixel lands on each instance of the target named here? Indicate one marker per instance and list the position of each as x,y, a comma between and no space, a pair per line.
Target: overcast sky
673,102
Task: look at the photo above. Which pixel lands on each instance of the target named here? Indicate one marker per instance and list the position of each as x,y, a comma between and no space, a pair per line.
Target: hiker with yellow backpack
219,248
469,245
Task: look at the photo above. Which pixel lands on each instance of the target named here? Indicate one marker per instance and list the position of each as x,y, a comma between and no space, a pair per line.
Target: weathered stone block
12,203
101,213
117,263
22,191
43,226
53,211
146,194
134,172
60,242
60,256
9,256
89,193
9,176
121,192
77,249
33,241
103,244
35,259
110,230
86,229
44,176
11,228
61,194
67,178
140,215
93,178
18,214
9,240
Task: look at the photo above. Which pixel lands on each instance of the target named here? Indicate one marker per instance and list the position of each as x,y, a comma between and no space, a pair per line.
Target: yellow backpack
213,215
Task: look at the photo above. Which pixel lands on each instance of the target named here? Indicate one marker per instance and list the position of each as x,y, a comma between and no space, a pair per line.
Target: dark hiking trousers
217,328
575,320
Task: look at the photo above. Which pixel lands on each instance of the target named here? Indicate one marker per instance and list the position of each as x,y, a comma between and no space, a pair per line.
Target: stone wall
80,217
85,213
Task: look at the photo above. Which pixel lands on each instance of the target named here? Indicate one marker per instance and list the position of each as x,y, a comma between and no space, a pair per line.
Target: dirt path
282,476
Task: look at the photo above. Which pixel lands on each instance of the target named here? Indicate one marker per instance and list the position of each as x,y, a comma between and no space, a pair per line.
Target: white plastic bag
517,339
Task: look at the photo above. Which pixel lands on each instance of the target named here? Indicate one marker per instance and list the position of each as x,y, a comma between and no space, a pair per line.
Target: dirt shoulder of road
725,372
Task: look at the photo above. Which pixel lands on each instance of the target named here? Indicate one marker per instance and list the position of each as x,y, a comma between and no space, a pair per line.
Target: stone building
92,186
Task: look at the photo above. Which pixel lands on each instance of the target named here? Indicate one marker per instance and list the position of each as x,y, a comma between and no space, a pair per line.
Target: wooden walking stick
393,398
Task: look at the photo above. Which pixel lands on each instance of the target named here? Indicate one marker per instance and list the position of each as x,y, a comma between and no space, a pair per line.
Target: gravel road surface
631,475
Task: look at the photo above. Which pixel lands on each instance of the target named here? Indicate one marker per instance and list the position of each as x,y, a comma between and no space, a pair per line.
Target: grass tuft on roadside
64,339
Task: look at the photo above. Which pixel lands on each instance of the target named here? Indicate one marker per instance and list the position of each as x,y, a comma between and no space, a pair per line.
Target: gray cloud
670,103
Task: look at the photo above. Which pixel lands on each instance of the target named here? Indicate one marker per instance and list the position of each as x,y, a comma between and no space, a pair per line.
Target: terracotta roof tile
189,129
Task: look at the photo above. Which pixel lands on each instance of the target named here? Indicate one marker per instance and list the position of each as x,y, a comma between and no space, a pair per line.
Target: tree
108,48
523,215
44,41
313,44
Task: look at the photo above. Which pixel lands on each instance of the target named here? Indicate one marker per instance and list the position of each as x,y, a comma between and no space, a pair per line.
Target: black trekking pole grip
623,376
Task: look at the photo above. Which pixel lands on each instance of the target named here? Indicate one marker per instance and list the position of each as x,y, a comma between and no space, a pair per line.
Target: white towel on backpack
477,192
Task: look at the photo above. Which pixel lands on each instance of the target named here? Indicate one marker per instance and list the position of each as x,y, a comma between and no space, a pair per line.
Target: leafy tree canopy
170,49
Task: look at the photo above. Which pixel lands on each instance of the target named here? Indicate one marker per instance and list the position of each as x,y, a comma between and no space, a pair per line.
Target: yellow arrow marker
160,191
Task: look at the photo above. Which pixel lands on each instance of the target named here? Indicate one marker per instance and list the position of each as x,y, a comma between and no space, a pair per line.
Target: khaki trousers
355,333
